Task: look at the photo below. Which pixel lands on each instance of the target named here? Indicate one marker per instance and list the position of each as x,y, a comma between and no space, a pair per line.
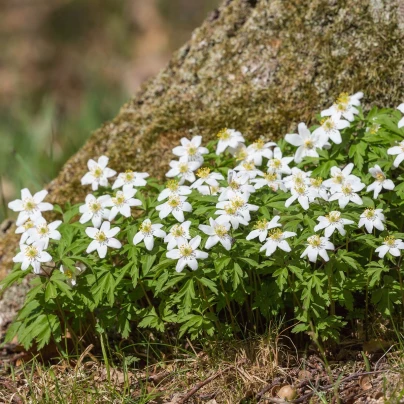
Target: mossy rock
260,66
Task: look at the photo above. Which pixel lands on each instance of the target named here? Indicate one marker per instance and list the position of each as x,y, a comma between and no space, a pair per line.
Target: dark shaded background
66,66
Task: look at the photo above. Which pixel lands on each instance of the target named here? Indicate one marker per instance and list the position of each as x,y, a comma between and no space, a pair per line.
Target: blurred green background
66,66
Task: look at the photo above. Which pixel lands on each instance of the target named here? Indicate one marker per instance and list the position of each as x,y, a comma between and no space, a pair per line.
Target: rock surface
260,66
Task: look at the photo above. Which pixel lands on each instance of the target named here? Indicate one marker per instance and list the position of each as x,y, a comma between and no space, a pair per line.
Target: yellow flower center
95,207
146,227
261,224
230,209
380,177
221,231
334,216
275,234
338,179
186,250
43,229
177,231
343,99
300,189
203,172
390,241
314,241
68,273
192,150
101,237
275,163
234,185
316,182
119,198
174,201
241,154
374,128
249,165
238,202
369,213
183,167
29,204
31,252
347,189
327,124
223,134
270,176
259,144
97,172
128,176
172,185
309,144
28,225
298,179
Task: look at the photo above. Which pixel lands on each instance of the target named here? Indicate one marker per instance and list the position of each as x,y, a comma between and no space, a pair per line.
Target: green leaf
50,291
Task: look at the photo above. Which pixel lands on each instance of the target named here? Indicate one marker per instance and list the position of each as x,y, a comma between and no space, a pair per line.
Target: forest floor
255,370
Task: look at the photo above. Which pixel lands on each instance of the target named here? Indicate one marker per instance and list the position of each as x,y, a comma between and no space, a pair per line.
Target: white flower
390,245
32,255
179,234
209,189
238,183
330,129
262,227
173,188
122,202
187,254
147,232
230,214
248,167
102,239
306,142
317,246
23,230
217,232
183,170
228,138
344,106
280,164
372,218
259,149
191,150
176,205
380,183
303,194
271,179
131,178
331,222
348,193
399,150
94,209
276,239
30,207
44,231
401,121
317,187
297,177
340,177
98,173
239,202
206,177
70,275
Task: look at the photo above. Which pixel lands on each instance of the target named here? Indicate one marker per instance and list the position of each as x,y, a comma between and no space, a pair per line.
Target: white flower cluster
34,229
259,165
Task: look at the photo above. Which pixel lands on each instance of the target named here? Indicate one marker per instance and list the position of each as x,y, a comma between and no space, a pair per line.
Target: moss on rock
260,66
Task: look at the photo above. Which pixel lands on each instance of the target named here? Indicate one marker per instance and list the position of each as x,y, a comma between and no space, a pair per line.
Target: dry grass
234,372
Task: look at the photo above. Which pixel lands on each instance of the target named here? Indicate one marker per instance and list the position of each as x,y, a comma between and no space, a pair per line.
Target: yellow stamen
270,176
174,201
172,185
275,234
101,237
223,134
186,250
177,231
261,224
316,182
31,252
129,175
369,213
390,241
334,216
146,227
203,172
221,231
314,241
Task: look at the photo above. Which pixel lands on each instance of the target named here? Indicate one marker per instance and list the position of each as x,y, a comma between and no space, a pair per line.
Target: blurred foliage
67,66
